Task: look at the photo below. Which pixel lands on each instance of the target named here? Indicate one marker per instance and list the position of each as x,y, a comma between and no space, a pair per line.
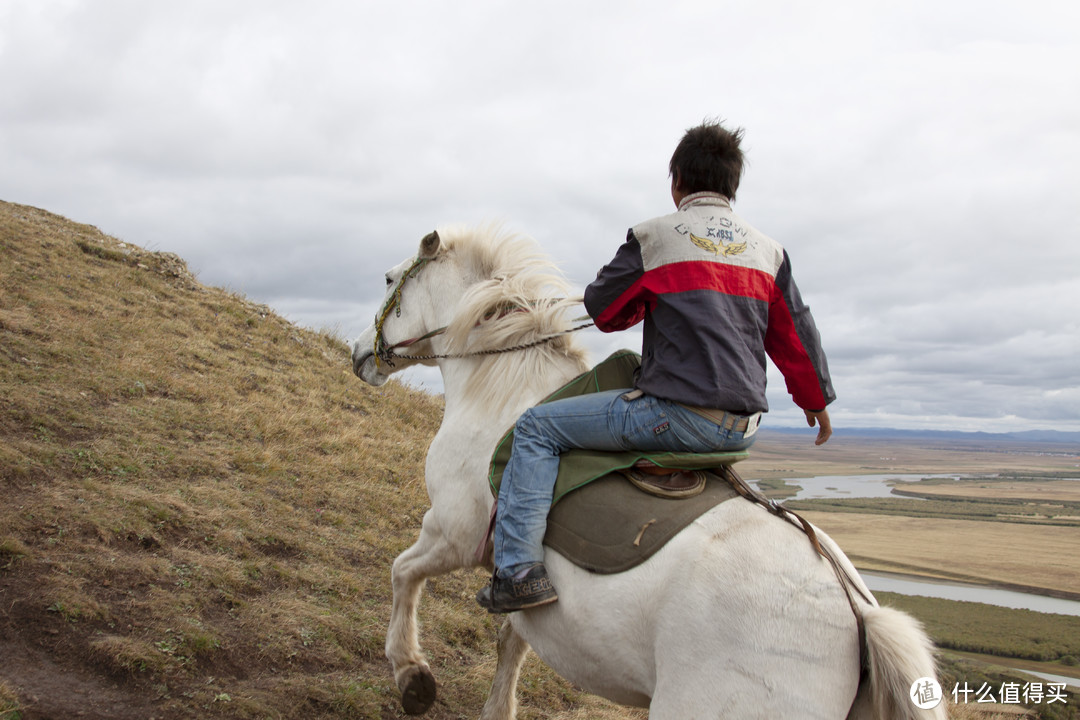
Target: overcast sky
919,160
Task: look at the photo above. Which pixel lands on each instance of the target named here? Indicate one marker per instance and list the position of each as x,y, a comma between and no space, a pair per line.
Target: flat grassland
1047,491
990,550
1037,558
1014,526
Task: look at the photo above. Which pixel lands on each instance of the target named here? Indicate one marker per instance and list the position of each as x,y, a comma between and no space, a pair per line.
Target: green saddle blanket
581,467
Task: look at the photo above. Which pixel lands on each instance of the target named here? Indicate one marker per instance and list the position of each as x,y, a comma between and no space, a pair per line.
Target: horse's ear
429,245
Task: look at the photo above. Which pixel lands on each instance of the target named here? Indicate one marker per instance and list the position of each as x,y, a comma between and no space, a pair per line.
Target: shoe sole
527,606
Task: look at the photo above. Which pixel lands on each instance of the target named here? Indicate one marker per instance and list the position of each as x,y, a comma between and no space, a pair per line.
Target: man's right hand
821,419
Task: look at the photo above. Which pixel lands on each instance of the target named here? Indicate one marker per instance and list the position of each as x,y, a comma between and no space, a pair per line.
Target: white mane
516,296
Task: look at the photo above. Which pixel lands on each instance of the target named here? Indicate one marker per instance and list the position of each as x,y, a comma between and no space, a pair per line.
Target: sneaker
504,595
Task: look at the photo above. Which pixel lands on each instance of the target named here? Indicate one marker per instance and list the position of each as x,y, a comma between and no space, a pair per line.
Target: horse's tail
898,653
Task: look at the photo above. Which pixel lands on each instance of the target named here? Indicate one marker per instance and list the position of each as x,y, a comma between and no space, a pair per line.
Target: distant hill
1028,436
201,503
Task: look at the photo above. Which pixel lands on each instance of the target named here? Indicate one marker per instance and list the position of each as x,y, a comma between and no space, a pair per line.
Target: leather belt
736,423
747,424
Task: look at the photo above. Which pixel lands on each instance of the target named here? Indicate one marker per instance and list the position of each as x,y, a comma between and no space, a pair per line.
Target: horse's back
737,609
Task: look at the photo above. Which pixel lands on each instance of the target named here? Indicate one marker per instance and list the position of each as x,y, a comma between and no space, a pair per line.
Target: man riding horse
716,297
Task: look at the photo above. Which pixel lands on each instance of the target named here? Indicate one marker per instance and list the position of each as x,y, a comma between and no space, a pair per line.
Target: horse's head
405,318
482,297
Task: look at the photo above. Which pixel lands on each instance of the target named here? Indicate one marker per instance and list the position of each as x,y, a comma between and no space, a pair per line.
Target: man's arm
614,299
793,343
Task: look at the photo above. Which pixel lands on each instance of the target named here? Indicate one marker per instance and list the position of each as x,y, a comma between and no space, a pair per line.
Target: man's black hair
708,159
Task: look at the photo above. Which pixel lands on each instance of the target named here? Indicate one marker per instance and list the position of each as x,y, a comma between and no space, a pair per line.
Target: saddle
665,482
612,511
610,525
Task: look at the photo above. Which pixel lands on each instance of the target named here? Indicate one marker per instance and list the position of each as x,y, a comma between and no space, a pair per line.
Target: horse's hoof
417,691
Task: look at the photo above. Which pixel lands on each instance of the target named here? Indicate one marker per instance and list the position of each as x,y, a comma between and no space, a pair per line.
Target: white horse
736,617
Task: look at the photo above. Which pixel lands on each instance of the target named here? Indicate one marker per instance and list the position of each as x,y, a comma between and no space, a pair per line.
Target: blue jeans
598,421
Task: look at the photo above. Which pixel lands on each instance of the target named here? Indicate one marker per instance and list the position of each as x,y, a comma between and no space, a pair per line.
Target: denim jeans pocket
698,433
642,424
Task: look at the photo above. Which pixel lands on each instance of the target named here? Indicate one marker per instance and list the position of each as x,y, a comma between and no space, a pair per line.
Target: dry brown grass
1041,557
201,503
987,711
10,707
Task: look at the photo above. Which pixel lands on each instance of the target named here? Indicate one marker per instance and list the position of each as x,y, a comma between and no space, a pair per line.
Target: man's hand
821,419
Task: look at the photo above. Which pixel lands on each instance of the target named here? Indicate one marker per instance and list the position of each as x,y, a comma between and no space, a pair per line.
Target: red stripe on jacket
629,308
785,348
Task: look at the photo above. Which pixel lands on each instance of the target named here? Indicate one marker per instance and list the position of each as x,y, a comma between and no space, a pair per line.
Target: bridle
385,353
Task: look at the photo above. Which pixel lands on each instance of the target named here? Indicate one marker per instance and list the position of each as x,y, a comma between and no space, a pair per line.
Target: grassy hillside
200,504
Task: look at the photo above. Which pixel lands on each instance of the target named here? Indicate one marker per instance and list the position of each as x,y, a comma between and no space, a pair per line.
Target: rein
385,353
846,581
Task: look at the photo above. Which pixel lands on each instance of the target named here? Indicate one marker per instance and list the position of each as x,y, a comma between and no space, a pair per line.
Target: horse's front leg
431,555
502,702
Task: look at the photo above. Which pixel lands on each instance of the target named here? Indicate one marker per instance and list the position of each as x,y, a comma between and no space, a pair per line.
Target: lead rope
385,354
389,356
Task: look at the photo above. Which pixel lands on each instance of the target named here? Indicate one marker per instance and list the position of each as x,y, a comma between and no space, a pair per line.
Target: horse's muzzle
365,367
358,360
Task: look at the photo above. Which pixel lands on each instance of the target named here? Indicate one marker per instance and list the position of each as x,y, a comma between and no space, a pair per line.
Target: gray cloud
920,162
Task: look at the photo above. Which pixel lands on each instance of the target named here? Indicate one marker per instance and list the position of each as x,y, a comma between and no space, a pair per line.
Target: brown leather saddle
665,482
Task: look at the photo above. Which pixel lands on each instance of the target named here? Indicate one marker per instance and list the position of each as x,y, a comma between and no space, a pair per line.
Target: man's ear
429,245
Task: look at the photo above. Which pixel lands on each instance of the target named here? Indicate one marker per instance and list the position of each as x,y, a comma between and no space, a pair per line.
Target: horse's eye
389,281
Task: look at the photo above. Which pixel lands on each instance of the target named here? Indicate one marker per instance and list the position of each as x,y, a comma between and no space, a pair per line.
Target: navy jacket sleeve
614,300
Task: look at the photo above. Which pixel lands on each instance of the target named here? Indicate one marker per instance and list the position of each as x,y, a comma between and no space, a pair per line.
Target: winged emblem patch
717,248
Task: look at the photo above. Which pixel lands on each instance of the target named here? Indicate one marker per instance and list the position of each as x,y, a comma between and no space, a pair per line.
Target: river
852,486
905,585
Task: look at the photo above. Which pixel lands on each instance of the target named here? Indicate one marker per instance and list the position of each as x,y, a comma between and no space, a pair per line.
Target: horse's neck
459,456
485,423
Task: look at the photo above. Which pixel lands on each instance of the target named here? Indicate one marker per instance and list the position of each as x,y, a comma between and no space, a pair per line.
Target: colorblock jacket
716,296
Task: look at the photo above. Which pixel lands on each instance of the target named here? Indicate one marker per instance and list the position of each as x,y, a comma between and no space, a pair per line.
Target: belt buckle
752,423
